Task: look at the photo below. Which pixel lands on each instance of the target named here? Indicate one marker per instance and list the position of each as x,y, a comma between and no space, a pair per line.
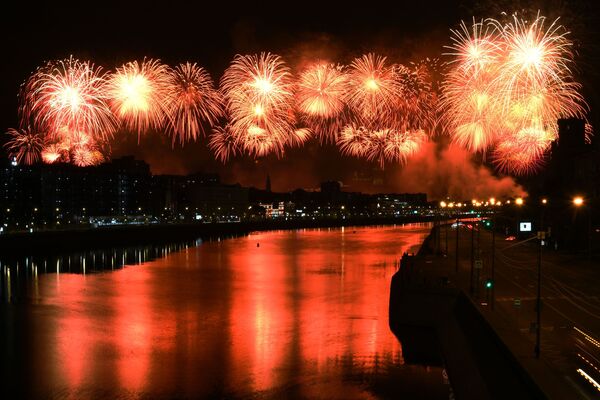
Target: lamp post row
578,201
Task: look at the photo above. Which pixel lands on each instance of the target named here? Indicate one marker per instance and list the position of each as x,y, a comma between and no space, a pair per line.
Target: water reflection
15,271
302,315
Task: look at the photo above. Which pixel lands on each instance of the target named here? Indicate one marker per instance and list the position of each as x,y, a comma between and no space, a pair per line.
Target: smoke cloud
442,171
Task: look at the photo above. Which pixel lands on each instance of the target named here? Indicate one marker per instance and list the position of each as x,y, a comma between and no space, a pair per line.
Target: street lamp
578,201
457,229
493,293
444,205
541,236
472,257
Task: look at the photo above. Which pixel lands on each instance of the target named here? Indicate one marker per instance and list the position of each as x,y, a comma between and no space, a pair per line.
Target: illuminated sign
525,226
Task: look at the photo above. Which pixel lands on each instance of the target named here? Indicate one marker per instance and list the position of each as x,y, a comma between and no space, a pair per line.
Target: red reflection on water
74,339
306,312
324,298
259,317
132,327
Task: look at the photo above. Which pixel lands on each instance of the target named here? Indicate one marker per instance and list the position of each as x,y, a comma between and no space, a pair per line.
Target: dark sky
211,34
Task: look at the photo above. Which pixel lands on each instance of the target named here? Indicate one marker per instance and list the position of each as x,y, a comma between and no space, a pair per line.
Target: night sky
111,34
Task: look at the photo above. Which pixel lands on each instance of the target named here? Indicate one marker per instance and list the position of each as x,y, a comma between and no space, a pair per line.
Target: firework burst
394,109
508,85
523,152
471,116
223,143
24,145
416,108
374,89
52,153
139,94
321,99
352,140
194,101
258,93
68,93
383,145
87,156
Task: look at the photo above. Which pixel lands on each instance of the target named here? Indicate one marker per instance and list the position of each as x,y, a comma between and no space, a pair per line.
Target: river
279,314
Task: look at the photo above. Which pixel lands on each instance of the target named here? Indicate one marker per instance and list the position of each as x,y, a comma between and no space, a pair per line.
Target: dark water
304,315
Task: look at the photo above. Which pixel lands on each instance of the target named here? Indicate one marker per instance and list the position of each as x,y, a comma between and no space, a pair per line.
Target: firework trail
258,93
25,145
68,93
320,99
193,102
508,85
139,95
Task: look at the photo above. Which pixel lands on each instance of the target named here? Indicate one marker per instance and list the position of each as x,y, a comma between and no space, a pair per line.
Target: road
570,319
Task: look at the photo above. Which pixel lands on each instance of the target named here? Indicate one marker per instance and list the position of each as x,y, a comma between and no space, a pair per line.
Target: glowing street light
538,307
578,201
519,201
444,205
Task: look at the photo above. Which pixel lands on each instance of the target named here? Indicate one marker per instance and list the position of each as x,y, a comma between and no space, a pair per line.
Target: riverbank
56,241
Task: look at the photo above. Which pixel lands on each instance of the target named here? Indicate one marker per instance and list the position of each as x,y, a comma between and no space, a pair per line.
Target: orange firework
393,110
532,56
383,145
353,140
51,154
298,137
416,108
258,97
522,152
467,102
139,94
373,88
193,101
508,85
399,146
26,146
320,98
86,156
68,93
224,143
77,147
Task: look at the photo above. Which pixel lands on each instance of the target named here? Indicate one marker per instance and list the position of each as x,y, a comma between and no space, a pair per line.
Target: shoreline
51,242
